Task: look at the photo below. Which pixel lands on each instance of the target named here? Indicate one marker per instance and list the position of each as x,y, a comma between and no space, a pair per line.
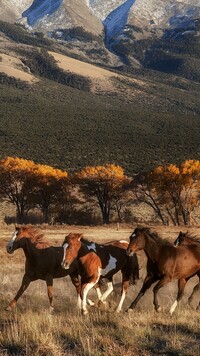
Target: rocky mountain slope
93,15
105,81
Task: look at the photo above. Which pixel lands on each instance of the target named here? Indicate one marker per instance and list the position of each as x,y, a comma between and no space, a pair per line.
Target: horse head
137,241
17,239
71,246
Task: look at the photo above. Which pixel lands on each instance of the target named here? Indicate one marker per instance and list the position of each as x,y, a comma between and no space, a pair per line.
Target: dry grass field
31,330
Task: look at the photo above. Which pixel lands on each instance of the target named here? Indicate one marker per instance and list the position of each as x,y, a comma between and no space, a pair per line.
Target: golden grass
31,330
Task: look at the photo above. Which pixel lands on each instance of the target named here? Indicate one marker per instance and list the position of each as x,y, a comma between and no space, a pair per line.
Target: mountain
105,81
123,25
114,15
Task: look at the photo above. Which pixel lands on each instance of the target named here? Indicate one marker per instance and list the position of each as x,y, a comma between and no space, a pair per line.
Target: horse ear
80,236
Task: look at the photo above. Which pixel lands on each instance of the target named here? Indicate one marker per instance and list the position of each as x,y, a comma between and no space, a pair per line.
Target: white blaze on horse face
10,244
63,261
110,266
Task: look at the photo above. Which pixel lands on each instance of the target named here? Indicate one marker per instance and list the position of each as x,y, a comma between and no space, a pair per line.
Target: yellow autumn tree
172,191
16,184
48,184
104,183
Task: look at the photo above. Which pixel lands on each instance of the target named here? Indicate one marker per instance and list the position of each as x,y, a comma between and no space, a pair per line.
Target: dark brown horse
165,262
42,262
100,261
193,243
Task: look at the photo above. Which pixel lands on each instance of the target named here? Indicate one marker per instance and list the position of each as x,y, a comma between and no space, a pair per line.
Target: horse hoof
129,311
51,310
8,308
158,309
102,302
90,302
84,312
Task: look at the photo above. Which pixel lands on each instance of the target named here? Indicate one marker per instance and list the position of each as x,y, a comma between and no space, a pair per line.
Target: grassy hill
67,118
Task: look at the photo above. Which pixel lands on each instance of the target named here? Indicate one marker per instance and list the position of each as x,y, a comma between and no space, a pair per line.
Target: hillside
75,113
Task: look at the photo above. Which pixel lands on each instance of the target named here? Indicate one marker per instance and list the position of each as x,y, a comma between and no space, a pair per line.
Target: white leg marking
99,294
79,302
173,307
119,308
85,292
107,292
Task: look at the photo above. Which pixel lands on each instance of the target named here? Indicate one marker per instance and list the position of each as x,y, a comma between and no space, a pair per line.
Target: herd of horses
87,263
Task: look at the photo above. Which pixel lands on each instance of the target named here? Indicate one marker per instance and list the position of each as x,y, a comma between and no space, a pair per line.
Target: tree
144,189
104,183
48,184
171,191
16,184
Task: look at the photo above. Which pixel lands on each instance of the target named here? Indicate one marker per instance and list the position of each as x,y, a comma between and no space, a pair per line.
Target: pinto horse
193,243
42,262
165,262
100,260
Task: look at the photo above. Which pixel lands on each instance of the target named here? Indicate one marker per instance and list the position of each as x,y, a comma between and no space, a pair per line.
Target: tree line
171,191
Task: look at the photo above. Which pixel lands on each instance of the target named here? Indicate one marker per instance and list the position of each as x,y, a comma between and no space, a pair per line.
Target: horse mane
193,238
156,237
37,238
85,241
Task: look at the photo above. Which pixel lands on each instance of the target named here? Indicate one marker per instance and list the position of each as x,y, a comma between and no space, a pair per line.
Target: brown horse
42,262
184,238
165,262
193,243
100,260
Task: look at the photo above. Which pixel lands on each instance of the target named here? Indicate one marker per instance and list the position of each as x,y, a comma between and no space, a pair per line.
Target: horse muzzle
9,249
65,265
129,252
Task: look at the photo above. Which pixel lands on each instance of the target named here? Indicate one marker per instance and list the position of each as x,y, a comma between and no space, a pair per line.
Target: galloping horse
184,238
165,262
42,262
100,260
193,243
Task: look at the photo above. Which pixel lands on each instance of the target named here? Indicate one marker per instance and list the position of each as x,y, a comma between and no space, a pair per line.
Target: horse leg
127,273
99,294
195,290
125,284
49,282
25,283
160,284
149,280
77,284
86,286
181,285
108,291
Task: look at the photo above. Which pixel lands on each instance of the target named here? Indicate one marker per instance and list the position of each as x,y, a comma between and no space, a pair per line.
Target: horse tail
134,269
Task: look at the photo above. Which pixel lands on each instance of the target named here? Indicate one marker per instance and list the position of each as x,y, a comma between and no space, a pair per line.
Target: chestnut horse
42,262
193,243
100,260
165,262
